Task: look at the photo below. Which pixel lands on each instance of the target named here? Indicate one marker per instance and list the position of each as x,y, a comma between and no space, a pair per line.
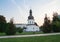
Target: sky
19,9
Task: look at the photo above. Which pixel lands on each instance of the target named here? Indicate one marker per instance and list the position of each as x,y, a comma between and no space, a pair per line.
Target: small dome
30,17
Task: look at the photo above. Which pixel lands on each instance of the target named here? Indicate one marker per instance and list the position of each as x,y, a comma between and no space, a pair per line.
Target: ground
51,38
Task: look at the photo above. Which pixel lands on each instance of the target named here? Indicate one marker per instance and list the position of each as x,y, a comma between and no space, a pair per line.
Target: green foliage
2,23
19,29
2,19
56,24
46,28
11,29
55,18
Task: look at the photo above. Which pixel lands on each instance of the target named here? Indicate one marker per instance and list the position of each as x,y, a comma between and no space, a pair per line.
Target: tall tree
2,23
56,22
46,25
11,30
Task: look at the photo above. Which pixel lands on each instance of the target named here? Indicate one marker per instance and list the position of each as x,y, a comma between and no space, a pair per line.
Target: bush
11,29
19,29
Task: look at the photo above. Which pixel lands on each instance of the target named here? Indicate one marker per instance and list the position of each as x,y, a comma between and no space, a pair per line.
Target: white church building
31,25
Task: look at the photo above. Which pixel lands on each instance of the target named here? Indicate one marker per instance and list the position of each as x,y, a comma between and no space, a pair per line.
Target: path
14,36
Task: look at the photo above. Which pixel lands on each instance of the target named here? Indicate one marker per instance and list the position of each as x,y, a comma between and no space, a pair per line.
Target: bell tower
30,17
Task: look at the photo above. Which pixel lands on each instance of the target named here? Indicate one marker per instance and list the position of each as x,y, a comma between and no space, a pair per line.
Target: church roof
30,16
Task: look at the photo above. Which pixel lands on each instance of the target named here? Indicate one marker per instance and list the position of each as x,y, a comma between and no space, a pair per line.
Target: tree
56,23
2,23
11,29
46,28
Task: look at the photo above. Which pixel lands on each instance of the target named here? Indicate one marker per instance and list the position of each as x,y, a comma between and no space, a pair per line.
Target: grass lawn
28,33
23,33
54,38
2,34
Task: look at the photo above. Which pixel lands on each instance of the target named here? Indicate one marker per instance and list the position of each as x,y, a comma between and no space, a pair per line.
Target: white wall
29,27
21,25
32,28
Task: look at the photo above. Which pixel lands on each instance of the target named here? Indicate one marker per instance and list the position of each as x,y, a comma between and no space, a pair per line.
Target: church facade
31,25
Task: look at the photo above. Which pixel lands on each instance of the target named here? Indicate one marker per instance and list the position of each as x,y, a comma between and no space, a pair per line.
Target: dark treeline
7,28
51,26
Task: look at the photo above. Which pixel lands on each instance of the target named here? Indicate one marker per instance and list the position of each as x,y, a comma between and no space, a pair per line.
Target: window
30,22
